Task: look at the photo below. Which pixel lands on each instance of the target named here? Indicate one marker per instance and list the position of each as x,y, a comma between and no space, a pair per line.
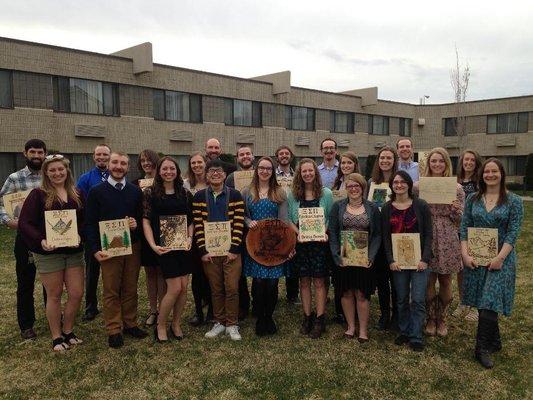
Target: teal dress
493,290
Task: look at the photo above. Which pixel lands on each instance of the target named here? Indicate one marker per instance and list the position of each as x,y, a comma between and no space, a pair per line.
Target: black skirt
176,263
356,278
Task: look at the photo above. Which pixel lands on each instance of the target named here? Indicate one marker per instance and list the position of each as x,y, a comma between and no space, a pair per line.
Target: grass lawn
281,367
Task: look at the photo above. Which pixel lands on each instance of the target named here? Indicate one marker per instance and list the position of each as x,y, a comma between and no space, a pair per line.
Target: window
513,165
405,126
242,112
85,96
177,106
378,125
341,122
6,89
299,118
450,126
507,123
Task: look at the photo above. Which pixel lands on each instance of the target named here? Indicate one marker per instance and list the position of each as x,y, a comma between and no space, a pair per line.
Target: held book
173,232
61,228
217,237
311,225
483,245
438,190
379,193
354,248
243,179
13,202
115,237
406,250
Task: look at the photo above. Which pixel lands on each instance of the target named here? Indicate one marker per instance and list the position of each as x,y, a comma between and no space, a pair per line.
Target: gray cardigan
336,226
423,218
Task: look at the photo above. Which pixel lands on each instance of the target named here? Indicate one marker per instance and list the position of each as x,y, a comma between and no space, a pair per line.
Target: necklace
263,193
489,200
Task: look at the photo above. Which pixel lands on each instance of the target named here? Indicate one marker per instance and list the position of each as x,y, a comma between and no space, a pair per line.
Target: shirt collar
323,166
27,171
210,190
279,172
113,182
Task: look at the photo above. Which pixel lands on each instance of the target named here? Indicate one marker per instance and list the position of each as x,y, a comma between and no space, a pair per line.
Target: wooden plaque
243,179
379,194
13,202
61,228
173,232
146,183
438,190
354,248
115,237
311,224
339,194
483,245
217,238
406,250
271,243
285,182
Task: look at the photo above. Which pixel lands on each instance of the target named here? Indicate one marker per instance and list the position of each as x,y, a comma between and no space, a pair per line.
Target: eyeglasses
264,168
213,171
354,186
54,157
398,183
329,148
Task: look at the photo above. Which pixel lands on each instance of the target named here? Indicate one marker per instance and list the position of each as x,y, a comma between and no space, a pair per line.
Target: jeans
411,315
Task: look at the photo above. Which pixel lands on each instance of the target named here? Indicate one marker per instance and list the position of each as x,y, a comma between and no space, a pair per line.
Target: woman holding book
355,283
490,288
264,199
312,259
446,250
467,175
167,198
385,166
405,213
58,267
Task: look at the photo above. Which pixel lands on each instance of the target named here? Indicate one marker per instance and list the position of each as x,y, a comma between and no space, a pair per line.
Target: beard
34,163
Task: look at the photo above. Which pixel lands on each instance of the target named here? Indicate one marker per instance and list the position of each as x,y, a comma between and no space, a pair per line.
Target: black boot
485,329
270,305
307,324
496,342
319,327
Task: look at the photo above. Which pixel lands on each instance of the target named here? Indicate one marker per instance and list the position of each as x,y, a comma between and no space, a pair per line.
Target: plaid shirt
24,179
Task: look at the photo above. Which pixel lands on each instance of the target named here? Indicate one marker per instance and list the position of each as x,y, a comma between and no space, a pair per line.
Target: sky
405,48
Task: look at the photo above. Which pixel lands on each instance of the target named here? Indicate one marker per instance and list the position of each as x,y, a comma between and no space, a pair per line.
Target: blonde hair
447,161
357,178
50,190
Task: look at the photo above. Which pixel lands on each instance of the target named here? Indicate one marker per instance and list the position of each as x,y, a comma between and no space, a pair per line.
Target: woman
201,291
311,261
355,283
348,165
264,199
155,284
491,288
167,197
467,175
385,167
57,267
446,257
405,213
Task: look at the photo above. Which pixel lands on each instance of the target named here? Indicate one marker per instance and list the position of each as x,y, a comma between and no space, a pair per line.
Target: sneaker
233,332
472,315
216,330
460,310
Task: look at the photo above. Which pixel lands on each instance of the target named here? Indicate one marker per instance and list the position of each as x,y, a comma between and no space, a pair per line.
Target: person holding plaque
195,181
312,258
58,267
446,254
385,166
468,168
264,199
355,283
155,284
405,213
166,198
490,288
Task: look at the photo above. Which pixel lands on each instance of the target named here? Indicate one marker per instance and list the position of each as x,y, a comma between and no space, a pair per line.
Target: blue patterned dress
493,290
262,209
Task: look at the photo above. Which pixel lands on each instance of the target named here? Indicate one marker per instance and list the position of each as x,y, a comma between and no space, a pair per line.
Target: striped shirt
24,179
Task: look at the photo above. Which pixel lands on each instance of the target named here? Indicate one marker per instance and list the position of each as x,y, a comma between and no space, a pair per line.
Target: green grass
281,367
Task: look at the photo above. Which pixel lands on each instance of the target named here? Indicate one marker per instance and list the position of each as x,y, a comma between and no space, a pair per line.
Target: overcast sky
406,48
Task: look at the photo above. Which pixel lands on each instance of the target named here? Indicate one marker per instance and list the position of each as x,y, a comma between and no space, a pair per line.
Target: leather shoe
196,320
135,332
115,341
28,334
90,315
401,340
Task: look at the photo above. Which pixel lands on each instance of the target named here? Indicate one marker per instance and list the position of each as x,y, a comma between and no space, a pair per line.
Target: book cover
61,228
406,249
13,202
242,179
145,183
483,245
115,237
311,225
354,248
379,193
217,237
173,232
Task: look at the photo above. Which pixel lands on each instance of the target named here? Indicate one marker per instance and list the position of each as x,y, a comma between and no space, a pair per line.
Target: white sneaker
216,330
233,332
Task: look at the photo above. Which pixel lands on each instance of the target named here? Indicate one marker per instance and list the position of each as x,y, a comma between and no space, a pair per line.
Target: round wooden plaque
271,242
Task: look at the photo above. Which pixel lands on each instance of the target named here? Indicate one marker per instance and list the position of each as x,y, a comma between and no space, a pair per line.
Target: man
219,203
284,157
87,181
116,199
404,146
27,178
330,165
213,150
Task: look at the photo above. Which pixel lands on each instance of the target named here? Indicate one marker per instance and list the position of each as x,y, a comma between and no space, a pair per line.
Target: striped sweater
234,214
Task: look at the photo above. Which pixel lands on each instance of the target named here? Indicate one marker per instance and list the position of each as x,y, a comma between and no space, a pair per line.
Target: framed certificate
311,224
406,250
438,190
483,245
61,228
354,248
217,237
115,237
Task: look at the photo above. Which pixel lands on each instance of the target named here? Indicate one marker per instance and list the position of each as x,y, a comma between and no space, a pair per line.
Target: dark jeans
92,273
25,285
201,291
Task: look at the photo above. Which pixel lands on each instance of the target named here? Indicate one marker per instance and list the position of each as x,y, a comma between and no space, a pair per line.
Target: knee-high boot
431,323
486,328
442,313
270,306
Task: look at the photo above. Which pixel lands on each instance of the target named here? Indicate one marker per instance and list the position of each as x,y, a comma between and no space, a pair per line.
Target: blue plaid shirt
24,179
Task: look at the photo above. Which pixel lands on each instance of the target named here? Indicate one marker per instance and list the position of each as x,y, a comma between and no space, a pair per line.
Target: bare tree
459,79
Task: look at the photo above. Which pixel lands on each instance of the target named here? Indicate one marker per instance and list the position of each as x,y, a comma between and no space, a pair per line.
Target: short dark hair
35,144
407,178
283,147
404,138
216,163
327,139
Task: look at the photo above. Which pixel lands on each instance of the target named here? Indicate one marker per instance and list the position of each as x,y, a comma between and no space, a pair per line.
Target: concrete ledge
281,81
505,141
141,55
369,96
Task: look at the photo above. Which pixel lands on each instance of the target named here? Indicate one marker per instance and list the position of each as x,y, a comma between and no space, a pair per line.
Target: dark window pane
370,124
522,122
332,121
159,104
450,127
61,89
110,99
177,106
256,113
310,119
195,108
6,92
492,123
228,111
521,165
288,124
502,123
86,96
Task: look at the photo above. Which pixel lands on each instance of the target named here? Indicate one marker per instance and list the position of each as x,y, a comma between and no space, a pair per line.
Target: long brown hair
340,176
298,185
190,174
275,192
377,173
442,151
460,169
50,190
502,197
151,156
158,188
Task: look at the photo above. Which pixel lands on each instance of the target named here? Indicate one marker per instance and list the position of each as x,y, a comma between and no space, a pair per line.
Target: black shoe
243,314
115,341
384,322
307,324
270,326
339,319
319,327
196,320
28,334
260,327
401,340
135,332
416,346
174,336
483,358
90,315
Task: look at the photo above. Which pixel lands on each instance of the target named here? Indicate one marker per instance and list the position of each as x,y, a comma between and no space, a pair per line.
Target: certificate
311,224
217,238
406,250
173,232
61,228
115,237
438,190
13,202
379,193
483,245
354,248
242,179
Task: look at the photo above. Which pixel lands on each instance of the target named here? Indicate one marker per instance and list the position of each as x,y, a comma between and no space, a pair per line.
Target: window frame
256,118
453,123
402,125
497,118
164,92
289,124
10,88
371,125
334,126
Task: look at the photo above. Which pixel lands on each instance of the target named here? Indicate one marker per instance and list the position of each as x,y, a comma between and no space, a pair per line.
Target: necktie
119,186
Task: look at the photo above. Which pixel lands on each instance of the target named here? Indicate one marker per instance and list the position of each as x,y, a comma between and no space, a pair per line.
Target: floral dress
493,290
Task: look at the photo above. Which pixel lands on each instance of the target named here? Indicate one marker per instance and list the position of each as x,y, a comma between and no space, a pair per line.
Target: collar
113,182
279,172
27,171
408,163
210,190
104,172
323,166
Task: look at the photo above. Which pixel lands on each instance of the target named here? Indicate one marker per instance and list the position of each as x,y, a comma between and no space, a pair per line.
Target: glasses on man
329,148
260,168
215,171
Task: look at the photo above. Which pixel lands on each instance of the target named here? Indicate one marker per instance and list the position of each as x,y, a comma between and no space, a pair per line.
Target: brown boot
442,313
431,324
319,327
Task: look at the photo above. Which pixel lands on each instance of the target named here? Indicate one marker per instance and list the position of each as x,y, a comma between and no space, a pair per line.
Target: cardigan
326,201
336,226
423,218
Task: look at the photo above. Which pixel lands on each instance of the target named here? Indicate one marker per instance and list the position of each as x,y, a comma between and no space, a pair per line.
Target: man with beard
27,178
89,179
406,163
213,150
117,199
330,164
245,161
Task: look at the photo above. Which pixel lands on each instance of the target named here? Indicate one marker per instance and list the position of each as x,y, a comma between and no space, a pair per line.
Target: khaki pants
119,277
224,282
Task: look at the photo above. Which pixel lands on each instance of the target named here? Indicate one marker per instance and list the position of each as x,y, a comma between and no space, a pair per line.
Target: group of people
408,299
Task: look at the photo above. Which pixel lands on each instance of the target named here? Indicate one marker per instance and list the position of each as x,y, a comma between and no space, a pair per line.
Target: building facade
74,100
